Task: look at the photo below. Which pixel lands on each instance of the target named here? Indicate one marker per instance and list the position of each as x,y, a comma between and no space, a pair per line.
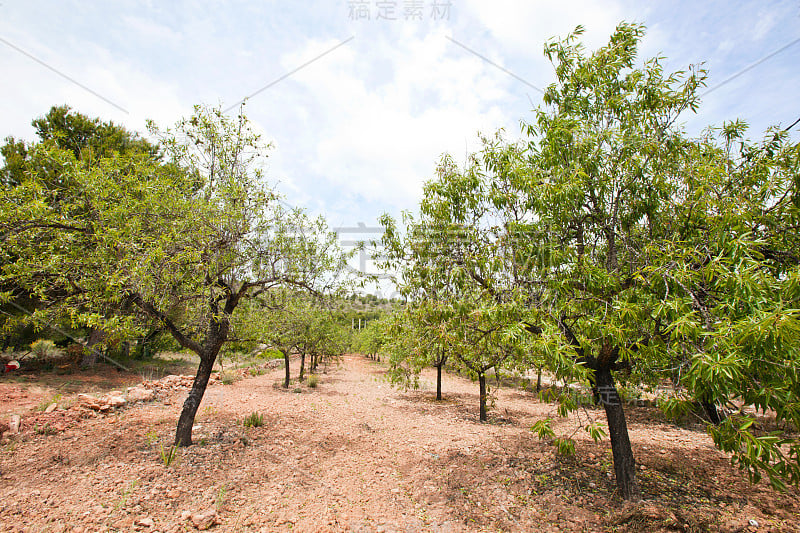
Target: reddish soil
354,454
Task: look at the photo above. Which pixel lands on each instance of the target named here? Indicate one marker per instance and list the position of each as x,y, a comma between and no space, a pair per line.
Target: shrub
270,353
44,348
313,381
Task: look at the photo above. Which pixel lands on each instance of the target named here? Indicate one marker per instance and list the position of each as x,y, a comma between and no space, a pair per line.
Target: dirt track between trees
355,454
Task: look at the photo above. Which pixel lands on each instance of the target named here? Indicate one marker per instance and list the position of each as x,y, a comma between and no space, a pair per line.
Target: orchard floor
353,454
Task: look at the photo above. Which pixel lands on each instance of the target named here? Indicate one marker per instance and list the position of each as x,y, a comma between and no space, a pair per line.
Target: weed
297,390
220,497
253,420
151,437
46,429
168,456
126,494
228,378
45,403
312,381
149,373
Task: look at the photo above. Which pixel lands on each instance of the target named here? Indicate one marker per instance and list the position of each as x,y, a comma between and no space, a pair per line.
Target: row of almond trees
608,240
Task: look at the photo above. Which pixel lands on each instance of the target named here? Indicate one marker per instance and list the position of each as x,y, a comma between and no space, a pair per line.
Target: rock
753,523
116,401
185,515
145,522
51,407
140,394
204,520
89,402
13,424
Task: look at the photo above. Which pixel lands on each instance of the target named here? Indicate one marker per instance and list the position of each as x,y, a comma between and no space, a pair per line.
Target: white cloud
380,142
523,27
766,21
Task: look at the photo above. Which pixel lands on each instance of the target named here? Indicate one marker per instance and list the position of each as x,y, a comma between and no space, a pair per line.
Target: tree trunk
482,384
183,436
302,366
90,353
145,344
287,378
624,463
439,381
711,411
539,380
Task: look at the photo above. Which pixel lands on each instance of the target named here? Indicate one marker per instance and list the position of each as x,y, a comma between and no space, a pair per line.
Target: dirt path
354,454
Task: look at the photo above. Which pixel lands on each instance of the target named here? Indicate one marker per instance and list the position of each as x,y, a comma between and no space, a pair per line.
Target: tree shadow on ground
521,479
462,406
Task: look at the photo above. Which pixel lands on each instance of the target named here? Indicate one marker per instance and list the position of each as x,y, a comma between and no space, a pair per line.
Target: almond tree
454,314
556,226
184,243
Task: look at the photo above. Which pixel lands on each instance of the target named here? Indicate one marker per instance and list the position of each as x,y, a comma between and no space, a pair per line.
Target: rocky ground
352,454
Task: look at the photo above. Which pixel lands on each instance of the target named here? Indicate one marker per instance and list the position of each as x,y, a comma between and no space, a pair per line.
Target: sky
360,99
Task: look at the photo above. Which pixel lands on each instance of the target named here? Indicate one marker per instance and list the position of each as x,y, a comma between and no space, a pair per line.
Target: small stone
185,515
13,424
204,520
51,407
145,522
753,523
